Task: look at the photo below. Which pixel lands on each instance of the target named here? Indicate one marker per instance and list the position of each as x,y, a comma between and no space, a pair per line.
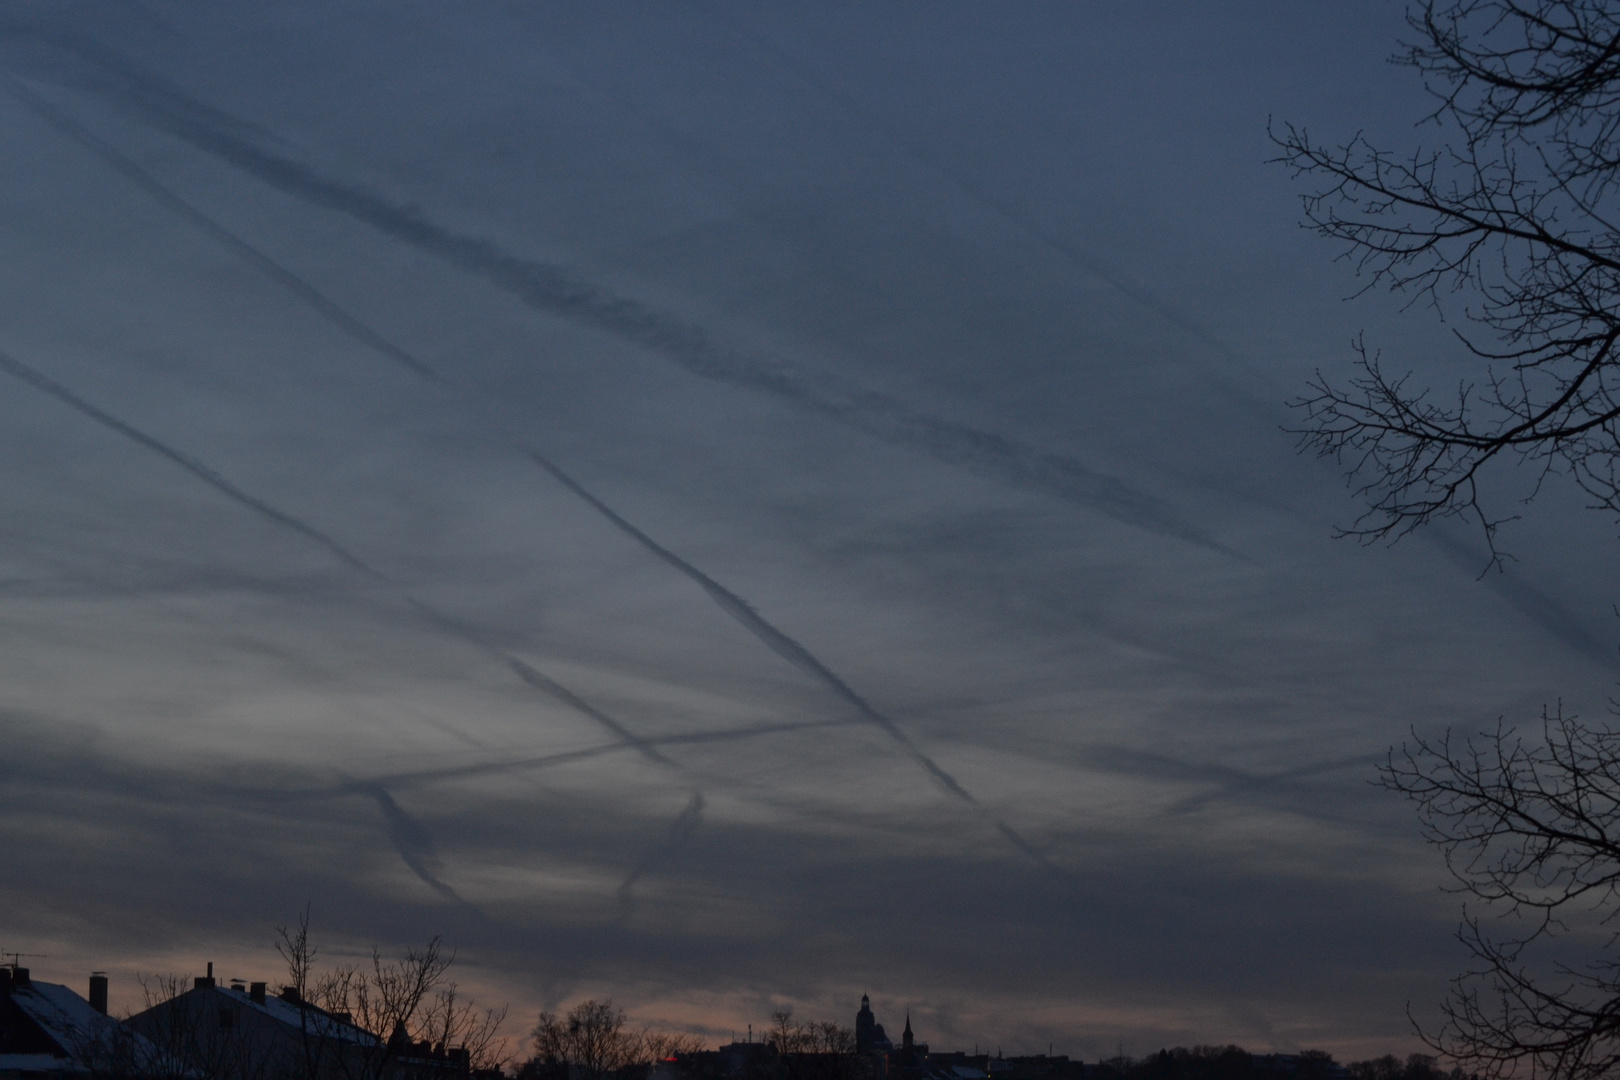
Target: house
47,1030
243,1032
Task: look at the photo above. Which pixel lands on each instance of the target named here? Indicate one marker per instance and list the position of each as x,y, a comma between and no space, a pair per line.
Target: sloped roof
67,1019
320,1022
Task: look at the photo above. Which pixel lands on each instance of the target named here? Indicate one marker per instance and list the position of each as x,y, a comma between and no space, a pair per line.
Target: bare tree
591,1041
831,1037
1514,217
812,1050
787,1034
357,1019
594,1039
659,1046
452,1021
1530,829
180,1034
791,1036
114,1050
1518,213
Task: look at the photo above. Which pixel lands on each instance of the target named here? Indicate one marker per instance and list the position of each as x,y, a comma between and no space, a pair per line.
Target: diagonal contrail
530,675
40,381
539,680
794,653
1019,219
555,290
413,844
680,831
122,163
733,605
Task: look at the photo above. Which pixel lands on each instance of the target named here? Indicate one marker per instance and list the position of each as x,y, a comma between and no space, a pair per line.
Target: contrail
680,831
527,672
794,653
1531,602
303,290
414,845
567,757
734,605
552,289
1020,220
539,680
728,601
40,381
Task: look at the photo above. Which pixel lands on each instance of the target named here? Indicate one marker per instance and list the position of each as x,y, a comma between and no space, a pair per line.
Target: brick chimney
98,991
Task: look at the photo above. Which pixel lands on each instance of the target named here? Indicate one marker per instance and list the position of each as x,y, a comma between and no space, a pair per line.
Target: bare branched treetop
1530,827
1515,210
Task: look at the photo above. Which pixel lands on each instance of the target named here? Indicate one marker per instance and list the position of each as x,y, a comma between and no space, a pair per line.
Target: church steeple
905,1036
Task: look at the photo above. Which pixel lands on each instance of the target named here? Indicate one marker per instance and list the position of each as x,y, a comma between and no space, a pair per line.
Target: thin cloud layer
713,507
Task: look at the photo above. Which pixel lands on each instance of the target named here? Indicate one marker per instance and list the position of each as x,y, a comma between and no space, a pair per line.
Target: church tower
864,1024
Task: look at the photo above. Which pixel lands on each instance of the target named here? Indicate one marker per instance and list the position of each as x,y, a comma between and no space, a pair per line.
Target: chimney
19,978
256,993
98,991
204,981
5,982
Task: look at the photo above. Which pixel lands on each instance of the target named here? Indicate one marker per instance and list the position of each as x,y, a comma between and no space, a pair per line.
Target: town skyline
724,508
48,1029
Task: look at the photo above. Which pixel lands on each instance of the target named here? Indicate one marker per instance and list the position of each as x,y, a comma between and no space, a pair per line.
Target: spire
865,1027
905,1036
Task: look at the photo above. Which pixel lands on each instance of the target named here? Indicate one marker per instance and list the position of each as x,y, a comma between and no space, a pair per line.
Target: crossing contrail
530,675
382,214
65,125
793,652
555,290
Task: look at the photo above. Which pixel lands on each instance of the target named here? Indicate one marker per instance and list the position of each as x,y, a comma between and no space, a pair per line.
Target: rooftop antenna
16,958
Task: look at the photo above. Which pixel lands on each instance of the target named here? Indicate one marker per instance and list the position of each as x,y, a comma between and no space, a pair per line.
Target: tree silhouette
1517,214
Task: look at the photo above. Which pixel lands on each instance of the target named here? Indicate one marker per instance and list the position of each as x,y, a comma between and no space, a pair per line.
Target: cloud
796,654
414,844
253,256
680,831
554,290
525,671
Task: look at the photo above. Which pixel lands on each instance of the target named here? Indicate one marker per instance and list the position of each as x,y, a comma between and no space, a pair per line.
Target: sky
729,507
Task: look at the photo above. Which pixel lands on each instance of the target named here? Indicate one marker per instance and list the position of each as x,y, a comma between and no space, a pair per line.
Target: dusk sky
727,507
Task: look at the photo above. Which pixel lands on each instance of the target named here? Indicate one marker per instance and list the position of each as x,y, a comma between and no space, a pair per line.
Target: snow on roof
66,1017
320,1022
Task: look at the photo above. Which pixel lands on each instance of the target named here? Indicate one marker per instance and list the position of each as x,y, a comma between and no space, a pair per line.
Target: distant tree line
595,1040
1236,1063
